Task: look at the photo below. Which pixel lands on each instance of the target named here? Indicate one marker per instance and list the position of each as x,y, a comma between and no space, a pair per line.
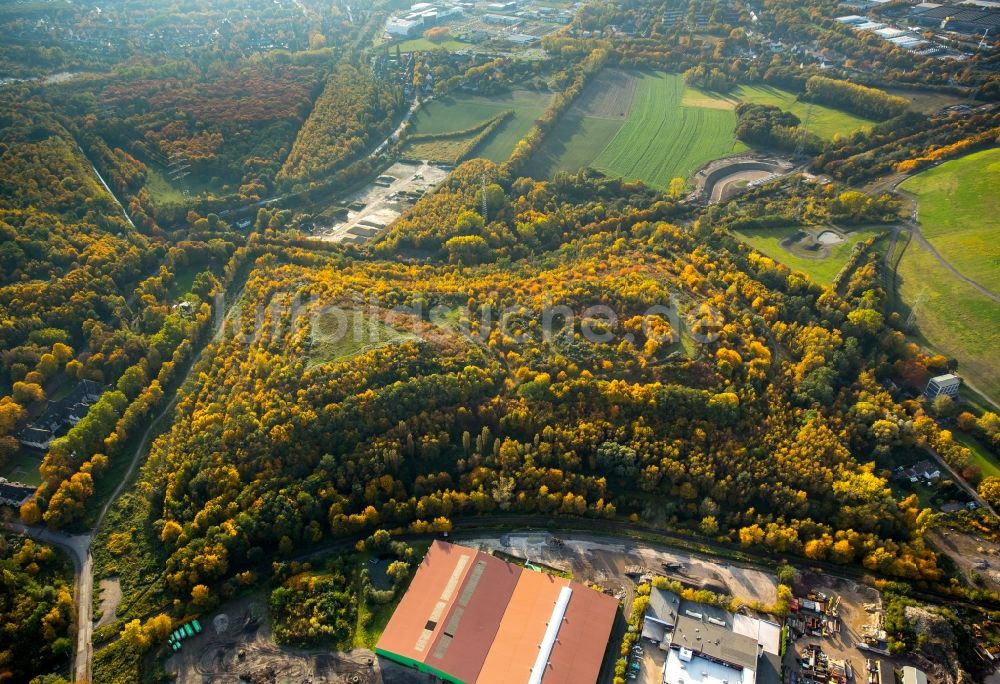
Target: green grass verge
768,241
952,317
462,112
959,212
988,464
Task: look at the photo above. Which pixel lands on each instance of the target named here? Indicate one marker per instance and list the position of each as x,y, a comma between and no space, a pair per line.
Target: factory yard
372,208
612,563
237,646
848,611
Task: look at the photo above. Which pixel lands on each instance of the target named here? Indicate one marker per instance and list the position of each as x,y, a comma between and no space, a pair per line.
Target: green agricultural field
822,270
661,139
959,213
462,112
952,317
652,127
926,101
424,45
823,121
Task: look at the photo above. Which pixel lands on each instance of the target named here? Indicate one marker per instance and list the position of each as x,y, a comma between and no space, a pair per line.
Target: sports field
424,45
652,127
959,213
822,270
462,112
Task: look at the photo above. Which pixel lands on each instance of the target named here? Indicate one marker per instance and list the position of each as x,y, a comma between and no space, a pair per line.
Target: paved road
79,546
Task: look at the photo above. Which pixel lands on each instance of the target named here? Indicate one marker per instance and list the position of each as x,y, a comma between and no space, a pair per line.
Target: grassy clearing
162,190
953,317
823,121
987,462
462,112
22,467
959,212
926,101
338,338
822,270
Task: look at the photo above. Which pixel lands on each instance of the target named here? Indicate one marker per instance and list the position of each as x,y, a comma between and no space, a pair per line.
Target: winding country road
79,546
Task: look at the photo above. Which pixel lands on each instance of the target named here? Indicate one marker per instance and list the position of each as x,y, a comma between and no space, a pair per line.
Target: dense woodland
36,612
771,434
352,111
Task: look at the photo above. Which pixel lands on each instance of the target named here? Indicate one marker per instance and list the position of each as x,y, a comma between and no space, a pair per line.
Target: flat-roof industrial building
708,645
469,617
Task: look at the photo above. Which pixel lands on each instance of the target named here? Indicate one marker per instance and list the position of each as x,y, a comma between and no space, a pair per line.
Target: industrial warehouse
469,617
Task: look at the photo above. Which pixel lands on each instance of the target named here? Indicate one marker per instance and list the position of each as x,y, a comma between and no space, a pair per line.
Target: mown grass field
466,111
662,139
652,127
823,121
952,317
424,45
822,270
959,213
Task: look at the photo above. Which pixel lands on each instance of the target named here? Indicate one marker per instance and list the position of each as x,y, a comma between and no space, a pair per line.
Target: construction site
235,645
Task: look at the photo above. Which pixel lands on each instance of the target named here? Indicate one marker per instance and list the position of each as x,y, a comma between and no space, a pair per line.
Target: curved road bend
79,545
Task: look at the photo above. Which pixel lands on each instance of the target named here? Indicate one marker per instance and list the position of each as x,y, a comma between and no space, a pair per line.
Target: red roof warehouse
469,617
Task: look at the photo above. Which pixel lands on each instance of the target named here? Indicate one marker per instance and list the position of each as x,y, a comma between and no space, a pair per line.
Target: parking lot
652,664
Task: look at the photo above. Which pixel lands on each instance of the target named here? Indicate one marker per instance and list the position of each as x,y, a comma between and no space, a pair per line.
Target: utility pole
912,318
482,196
